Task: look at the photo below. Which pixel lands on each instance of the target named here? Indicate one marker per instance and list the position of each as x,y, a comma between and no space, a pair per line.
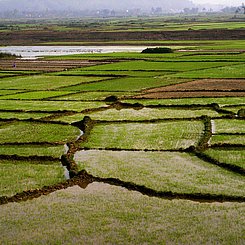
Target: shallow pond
32,52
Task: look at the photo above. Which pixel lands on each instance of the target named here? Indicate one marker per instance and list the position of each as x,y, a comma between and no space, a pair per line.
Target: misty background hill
81,5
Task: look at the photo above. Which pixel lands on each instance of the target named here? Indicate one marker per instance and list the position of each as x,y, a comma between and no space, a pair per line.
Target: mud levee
36,37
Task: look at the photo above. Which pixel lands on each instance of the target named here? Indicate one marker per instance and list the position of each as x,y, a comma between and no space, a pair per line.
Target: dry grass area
105,214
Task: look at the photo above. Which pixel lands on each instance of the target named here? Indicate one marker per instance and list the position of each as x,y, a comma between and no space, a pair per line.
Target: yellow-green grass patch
23,132
43,82
49,106
229,126
9,91
35,95
149,113
228,139
94,95
235,157
22,115
125,84
121,217
33,150
223,101
162,171
19,176
110,73
227,71
157,136
156,66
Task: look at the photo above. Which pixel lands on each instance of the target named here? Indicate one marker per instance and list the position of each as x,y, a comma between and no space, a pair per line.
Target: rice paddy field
131,149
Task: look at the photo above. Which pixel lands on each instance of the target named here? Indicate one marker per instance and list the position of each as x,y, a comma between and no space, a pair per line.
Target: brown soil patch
199,88
205,84
169,95
30,37
45,65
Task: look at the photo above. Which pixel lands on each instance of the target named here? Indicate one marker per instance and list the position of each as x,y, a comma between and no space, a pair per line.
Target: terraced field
157,143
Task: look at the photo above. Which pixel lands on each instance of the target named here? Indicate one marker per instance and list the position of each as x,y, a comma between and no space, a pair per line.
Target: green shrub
157,50
8,55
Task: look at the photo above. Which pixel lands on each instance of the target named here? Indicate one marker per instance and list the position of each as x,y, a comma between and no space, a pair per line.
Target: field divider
41,159
83,179
205,139
131,150
67,160
224,146
231,167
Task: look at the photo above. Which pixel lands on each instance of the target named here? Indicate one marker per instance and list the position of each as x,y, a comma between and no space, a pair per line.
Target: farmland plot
150,114
162,171
19,176
154,147
140,136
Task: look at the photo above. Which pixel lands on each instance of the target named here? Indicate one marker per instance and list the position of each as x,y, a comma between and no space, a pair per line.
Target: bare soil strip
41,36
46,65
204,85
197,88
41,159
183,94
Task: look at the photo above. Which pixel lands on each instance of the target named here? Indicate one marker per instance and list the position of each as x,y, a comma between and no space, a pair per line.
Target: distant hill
74,5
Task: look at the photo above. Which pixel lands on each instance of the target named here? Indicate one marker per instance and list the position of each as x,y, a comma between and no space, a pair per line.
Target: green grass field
231,156
158,136
20,176
37,132
162,171
171,171
121,216
141,114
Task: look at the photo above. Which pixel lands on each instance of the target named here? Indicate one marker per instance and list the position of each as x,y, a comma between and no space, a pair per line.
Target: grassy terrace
48,106
42,82
230,156
122,217
228,139
21,115
19,176
192,101
32,150
229,126
162,171
37,132
140,136
185,155
141,114
234,71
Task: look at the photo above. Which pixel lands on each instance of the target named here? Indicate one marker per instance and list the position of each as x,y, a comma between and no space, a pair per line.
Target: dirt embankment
38,37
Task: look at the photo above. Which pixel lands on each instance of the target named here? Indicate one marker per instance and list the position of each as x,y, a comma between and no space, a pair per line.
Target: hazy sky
225,2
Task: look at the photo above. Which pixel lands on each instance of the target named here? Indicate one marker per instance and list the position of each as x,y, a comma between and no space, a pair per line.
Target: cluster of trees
236,10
